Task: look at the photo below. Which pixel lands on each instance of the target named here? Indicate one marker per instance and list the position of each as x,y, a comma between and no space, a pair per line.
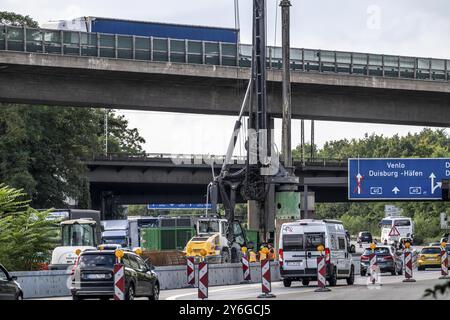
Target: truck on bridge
146,29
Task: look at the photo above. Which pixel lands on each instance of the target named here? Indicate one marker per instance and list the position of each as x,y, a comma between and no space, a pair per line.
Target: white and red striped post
444,262
190,271
408,264
321,271
245,266
372,266
203,280
119,277
265,276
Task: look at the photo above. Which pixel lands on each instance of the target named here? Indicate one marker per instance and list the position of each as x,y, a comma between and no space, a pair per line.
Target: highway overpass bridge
99,70
159,178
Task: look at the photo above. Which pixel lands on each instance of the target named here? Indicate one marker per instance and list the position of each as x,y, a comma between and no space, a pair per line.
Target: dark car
364,237
93,276
9,288
388,260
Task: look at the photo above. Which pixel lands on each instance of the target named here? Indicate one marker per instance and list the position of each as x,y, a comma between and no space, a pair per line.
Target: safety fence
116,46
42,284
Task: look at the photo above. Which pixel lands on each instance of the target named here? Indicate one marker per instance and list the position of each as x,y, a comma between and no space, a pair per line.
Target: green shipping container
166,238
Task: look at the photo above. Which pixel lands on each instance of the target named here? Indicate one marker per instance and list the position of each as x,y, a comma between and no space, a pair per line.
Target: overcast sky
403,27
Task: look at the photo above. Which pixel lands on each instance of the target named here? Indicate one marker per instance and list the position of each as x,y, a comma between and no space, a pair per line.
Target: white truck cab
298,251
76,234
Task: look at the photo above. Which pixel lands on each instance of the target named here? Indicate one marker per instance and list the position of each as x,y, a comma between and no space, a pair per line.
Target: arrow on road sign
359,178
396,190
394,232
434,187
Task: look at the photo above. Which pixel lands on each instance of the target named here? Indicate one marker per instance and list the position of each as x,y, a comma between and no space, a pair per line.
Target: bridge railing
217,53
193,158
202,159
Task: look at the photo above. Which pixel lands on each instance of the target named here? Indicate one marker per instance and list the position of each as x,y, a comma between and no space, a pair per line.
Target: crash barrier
119,282
444,264
266,280
321,274
190,272
408,266
245,268
56,283
203,280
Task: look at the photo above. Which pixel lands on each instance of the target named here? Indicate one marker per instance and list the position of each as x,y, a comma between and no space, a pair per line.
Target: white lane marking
175,297
424,275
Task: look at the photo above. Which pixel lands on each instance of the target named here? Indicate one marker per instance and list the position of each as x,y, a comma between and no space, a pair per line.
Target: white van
298,251
404,225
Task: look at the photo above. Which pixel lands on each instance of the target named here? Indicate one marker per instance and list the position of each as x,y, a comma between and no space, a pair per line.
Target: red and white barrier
373,267
246,268
119,282
190,272
203,280
321,275
444,264
408,266
266,280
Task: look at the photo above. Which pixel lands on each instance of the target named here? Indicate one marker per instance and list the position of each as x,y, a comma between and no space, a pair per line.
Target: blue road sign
397,179
188,206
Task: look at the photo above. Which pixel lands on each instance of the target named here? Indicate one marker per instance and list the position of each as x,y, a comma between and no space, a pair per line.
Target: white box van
298,251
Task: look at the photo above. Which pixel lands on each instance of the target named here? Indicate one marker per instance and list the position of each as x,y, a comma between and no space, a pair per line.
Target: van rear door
293,251
312,241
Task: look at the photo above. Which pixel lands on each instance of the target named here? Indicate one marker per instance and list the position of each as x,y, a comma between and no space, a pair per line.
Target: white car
298,251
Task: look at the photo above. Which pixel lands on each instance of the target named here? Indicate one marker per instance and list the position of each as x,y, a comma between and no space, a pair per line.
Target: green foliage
26,237
42,148
10,201
14,19
438,289
366,216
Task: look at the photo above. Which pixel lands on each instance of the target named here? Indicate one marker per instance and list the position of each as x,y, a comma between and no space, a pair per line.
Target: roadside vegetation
366,216
26,236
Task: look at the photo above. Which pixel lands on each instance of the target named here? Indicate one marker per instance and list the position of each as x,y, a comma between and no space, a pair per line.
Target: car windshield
365,234
386,223
206,226
121,241
402,223
97,260
78,235
293,242
313,240
380,251
431,251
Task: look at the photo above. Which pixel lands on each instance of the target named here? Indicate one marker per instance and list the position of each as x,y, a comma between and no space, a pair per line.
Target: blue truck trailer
146,29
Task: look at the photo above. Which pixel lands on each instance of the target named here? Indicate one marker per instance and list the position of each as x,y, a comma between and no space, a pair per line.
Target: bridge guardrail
118,46
219,158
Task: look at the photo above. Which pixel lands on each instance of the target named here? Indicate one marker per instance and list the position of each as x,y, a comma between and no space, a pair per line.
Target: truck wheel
225,256
305,282
351,279
287,282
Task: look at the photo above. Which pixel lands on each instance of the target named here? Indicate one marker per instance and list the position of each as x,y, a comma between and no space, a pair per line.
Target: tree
14,19
42,148
358,216
26,236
